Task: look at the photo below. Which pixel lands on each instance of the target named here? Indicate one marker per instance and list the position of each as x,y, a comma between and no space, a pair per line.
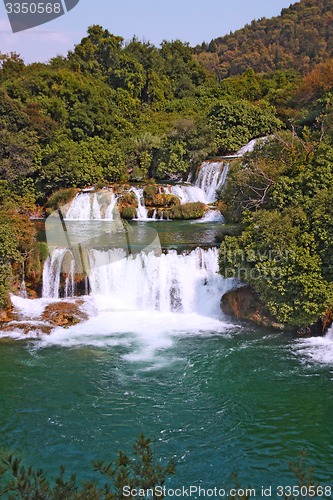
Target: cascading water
142,212
211,177
329,334
102,205
141,300
187,194
54,267
85,206
318,349
169,283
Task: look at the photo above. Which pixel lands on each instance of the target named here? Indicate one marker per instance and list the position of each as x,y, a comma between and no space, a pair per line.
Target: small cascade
211,216
248,148
23,288
142,212
69,281
187,193
60,264
211,177
329,334
88,206
109,213
318,349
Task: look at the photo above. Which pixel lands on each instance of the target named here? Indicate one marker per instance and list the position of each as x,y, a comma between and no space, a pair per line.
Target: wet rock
6,315
64,314
26,328
317,329
245,304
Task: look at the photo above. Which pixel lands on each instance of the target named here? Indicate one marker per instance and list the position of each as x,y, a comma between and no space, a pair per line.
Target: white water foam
187,193
144,334
249,147
141,211
168,283
28,308
142,302
89,206
210,216
211,177
317,349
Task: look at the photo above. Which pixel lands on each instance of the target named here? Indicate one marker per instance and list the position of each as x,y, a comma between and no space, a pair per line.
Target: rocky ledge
62,313
244,303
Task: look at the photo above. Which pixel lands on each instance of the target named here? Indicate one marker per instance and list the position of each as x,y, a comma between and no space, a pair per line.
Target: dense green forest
119,112
299,38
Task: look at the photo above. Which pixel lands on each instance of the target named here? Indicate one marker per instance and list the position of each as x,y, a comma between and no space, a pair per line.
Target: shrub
188,211
60,197
127,212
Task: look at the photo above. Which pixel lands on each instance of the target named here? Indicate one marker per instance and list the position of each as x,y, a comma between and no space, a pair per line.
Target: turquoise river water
215,395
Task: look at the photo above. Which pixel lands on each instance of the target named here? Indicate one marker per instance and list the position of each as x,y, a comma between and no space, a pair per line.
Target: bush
188,211
128,212
60,197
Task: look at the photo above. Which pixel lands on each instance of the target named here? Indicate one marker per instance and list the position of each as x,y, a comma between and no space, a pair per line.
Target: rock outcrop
62,313
244,303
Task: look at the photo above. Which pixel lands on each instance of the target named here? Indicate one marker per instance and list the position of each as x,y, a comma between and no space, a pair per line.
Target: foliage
278,256
236,122
299,38
16,240
61,197
188,211
282,193
141,471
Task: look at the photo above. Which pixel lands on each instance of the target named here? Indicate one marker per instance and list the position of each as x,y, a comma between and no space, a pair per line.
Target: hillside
299,38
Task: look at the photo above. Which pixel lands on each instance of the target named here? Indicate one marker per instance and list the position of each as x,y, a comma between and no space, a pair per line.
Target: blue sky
193,21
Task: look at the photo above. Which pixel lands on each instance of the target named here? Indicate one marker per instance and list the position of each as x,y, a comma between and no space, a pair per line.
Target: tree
277,254
19,154
17,238
234,123
126,476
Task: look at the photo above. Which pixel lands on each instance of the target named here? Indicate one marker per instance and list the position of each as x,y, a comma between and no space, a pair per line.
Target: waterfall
102,205
23,288
212,175
329,334
142,212
60,262
169,282
69,283
187,194
87,206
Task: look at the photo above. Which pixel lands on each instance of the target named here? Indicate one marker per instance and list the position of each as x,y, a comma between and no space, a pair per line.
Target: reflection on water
177,235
